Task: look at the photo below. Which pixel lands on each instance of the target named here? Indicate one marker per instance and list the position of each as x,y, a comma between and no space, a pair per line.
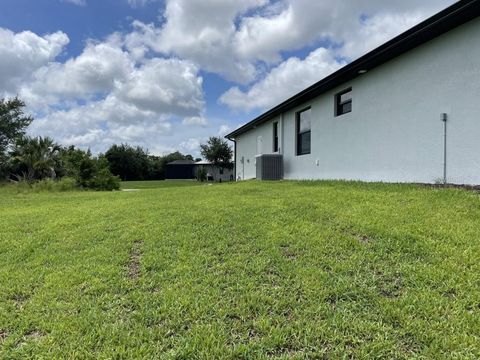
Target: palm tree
39,156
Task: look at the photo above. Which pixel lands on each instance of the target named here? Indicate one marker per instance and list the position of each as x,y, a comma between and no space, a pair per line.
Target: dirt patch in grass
389,285
473,308
289,254
135,258
32,335
20,300
246,336
3,335
364,239
360,236
410,345
450,293
286,351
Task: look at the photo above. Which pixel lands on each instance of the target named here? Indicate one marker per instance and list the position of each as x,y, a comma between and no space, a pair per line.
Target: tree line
135,163
30,159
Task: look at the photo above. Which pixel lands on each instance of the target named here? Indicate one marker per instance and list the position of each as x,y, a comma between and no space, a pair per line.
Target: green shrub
86,172
66,184
22,186
103,180
43,185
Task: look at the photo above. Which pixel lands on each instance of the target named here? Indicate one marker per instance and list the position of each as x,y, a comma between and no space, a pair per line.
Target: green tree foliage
72,159
86,171
39,159
218,152
134,163
13,124
89,172
102,178
128,162
175,156
155,170
36,158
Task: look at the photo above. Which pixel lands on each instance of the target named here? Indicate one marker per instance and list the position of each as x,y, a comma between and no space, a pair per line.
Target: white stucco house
408,111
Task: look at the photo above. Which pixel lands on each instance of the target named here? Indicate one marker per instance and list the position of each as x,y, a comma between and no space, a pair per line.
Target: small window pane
346,108
305,121
346,97
304,143
343,102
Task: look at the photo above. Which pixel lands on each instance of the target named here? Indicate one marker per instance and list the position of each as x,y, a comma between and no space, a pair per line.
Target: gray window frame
276,147
299,135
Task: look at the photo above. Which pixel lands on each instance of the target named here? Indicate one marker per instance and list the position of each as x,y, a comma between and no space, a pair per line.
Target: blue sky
166,75
97,20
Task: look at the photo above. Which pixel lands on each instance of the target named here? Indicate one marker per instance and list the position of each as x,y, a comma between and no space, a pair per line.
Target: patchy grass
159,184
290,270
135,258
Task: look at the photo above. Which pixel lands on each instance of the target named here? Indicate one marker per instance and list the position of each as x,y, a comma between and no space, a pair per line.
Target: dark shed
180,169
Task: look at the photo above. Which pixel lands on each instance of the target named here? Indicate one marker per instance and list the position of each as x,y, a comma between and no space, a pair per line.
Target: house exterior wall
215,172
394,133
256,142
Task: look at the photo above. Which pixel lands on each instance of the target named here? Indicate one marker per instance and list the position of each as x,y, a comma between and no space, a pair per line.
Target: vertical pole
444,119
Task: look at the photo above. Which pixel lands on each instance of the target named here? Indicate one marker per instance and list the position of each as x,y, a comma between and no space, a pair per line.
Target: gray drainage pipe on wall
444,118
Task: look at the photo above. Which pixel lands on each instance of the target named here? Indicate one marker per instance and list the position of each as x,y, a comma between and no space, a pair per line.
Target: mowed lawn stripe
248,270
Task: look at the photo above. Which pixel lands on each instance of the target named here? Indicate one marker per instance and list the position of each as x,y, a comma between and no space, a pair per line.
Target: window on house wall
343,102
275,137
304,126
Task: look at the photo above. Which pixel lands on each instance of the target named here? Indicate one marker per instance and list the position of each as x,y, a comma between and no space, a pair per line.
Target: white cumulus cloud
169,86
349,28
96,70
104,96
201,31
25,52
283,81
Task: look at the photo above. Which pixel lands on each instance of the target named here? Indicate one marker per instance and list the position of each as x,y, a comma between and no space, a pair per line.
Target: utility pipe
444,118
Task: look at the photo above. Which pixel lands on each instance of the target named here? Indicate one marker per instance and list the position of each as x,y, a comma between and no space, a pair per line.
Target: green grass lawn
250,270
159,184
